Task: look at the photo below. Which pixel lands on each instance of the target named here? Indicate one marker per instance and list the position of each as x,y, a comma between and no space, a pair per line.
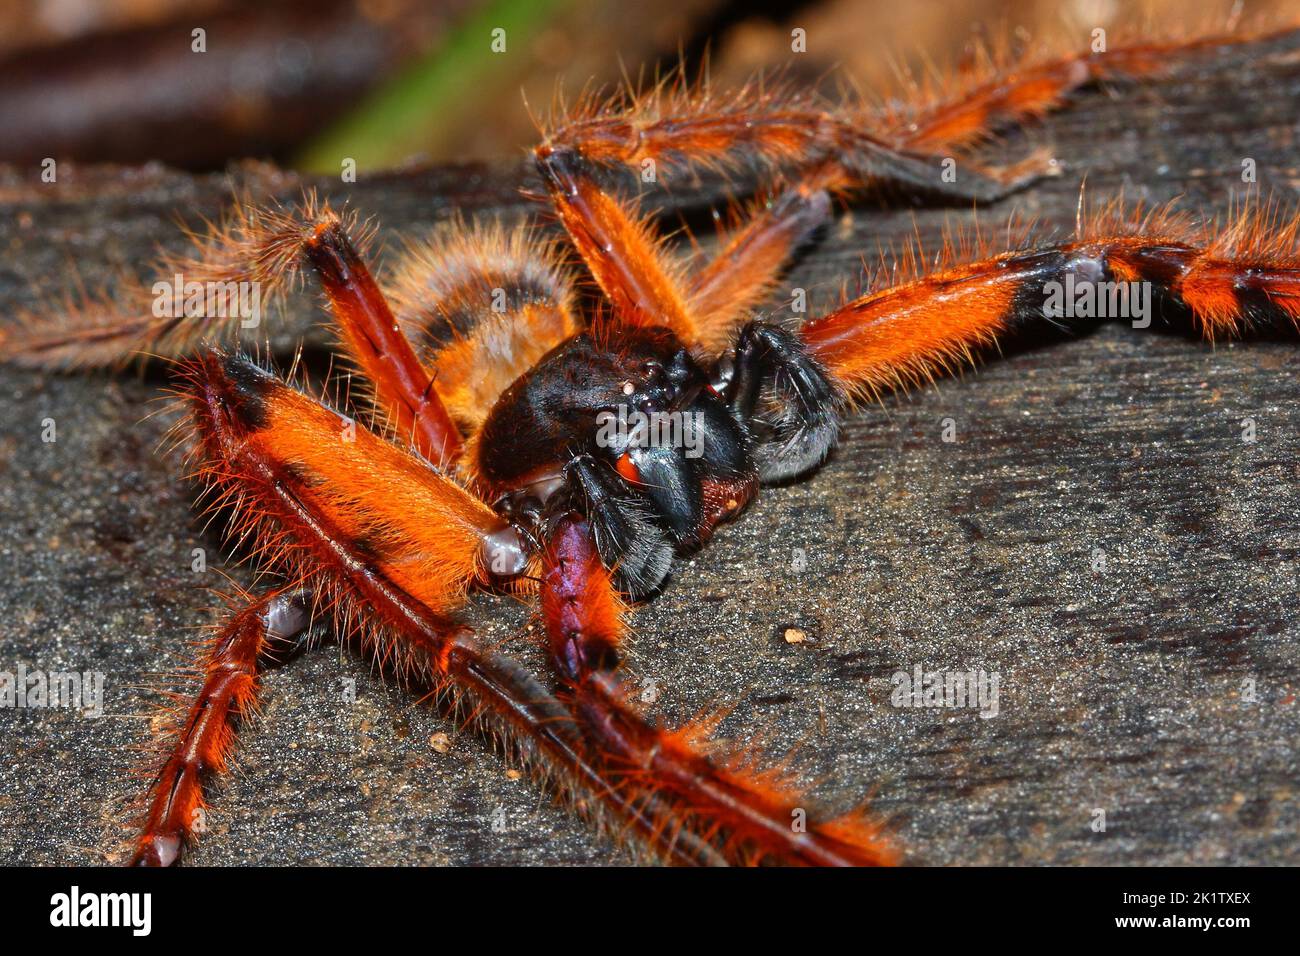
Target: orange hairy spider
514,445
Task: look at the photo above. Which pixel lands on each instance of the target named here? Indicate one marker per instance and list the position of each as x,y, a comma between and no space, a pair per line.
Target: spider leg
743,272
635,270
629,262
788,398
1226,281
835,150
749,816
510,701
676,123
791,386
262,249
633,267
272,628
246,422
263,633
1013,93
372,336
795,133
390,516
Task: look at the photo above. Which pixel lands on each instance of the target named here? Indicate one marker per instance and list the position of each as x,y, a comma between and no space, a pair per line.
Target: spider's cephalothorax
520,443
652,447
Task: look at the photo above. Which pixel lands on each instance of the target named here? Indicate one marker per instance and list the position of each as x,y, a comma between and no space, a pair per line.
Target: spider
490,463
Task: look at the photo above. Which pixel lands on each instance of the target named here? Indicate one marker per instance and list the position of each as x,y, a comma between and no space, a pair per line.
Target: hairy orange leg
371,334
834,150
416,528
749,817
262,247
634,269
916,329
632,266
270,628
1018,93
627,260
743,272
264,631
799,137
314,541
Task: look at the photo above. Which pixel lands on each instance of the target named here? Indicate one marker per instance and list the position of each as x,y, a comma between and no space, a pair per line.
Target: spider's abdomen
633,435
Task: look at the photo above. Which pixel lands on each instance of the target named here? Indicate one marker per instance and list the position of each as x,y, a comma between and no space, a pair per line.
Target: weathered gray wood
1122,690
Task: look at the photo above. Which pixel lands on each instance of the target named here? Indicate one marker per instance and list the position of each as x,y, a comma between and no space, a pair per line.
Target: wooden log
1099,536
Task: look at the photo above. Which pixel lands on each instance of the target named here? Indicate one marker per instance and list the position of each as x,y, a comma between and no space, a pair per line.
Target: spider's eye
628,388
